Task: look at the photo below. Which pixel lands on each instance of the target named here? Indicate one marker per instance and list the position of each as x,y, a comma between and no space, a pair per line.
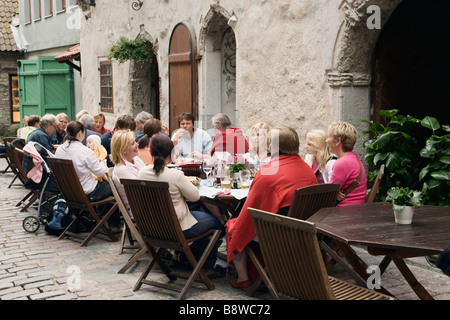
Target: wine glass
207,169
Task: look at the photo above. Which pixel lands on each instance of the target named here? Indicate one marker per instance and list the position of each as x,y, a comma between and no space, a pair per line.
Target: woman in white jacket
193,223
318,156
86,164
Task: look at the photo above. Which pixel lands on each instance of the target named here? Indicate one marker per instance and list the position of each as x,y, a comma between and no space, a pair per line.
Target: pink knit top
345,171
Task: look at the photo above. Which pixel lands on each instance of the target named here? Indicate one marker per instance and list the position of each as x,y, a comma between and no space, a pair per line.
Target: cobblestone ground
38,266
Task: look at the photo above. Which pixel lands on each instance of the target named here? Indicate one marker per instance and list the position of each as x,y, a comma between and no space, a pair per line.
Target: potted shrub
404,200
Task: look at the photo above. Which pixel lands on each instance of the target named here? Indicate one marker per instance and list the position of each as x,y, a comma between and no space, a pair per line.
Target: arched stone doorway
411,61
350,77
145,82
218,52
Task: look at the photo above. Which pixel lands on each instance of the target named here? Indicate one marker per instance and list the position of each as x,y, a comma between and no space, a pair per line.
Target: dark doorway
411,64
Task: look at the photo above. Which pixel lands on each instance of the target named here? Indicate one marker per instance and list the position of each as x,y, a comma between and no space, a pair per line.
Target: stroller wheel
31,224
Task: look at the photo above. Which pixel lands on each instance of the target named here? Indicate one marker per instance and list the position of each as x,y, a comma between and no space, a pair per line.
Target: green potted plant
404,200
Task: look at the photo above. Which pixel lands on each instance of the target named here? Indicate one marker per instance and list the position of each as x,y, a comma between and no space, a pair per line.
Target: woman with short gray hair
42,135
140,120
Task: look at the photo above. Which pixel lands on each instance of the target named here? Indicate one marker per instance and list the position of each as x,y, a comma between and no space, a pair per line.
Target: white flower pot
405,216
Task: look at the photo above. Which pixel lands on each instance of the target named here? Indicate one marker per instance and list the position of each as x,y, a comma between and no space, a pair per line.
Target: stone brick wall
8,66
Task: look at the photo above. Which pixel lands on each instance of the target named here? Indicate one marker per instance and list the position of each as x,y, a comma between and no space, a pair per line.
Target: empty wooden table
373,225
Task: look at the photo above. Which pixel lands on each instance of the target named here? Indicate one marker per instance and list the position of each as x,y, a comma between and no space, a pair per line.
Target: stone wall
289,54
8,66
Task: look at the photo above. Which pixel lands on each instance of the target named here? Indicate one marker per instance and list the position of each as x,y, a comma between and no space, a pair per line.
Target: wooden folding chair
4,155
310,199
306,201
294,261
129,229
157,222
13,160
76,199
16,158
376,185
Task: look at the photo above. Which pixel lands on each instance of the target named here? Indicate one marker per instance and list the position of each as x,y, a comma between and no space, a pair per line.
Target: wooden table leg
359,272
421,292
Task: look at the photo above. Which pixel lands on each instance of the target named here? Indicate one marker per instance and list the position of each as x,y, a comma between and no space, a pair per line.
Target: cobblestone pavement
38,266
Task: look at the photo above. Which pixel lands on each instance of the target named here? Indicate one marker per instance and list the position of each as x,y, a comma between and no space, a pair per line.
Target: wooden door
182,74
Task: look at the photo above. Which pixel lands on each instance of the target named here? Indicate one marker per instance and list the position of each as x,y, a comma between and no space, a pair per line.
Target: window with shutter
106,86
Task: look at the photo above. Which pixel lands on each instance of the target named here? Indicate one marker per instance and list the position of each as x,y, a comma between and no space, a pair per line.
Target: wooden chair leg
101,224
198,265
122,239
157,260
262,276
12,182
34,197
135,257
71,225
29,194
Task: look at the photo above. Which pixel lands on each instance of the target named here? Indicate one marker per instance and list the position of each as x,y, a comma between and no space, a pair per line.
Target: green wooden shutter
46,86
29,92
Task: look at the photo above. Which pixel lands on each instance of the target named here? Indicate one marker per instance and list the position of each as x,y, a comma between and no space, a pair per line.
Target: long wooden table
373,225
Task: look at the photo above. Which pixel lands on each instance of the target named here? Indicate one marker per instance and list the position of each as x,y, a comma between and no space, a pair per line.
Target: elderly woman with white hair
43,135
140,119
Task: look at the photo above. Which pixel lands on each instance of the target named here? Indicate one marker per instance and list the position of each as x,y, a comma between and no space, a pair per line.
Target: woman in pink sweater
341,140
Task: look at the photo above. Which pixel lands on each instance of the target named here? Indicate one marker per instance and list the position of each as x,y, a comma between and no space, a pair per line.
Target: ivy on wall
125,49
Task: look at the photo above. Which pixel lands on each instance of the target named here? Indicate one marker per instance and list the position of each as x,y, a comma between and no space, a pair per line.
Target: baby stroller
44,183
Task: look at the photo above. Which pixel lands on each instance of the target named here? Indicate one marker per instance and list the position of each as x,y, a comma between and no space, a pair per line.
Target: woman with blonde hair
124,155
99,124
348,169
259,142
318,155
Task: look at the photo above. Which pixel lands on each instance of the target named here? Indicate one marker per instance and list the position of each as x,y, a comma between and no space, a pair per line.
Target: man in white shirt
191,141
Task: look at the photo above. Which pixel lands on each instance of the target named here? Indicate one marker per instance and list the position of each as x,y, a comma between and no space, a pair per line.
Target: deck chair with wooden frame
310,199
16,158
157,221
376,185
13,161
129,229
294,262
306,201
77,200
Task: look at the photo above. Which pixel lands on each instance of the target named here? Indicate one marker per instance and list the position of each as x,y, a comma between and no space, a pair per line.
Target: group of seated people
330,159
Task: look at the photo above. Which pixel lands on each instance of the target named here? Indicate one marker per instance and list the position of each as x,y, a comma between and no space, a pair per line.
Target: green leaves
430,123
401,197
411,159
125,49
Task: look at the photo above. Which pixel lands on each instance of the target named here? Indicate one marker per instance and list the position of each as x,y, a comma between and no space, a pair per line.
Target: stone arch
144,80
350,76
355,41
217,53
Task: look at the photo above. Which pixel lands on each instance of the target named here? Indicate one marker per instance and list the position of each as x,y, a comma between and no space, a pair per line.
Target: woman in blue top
42,135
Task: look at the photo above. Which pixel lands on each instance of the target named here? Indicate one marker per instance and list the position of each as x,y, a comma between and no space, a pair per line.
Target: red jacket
231,140
272,189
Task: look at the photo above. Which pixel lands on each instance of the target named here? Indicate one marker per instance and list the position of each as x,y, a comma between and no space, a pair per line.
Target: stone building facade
301,63
9,54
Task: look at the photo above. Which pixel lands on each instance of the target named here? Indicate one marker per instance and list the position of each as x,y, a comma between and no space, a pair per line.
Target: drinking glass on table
207,169
225,180
245,176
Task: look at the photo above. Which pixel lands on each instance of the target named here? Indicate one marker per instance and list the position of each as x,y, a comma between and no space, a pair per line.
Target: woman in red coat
272,190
